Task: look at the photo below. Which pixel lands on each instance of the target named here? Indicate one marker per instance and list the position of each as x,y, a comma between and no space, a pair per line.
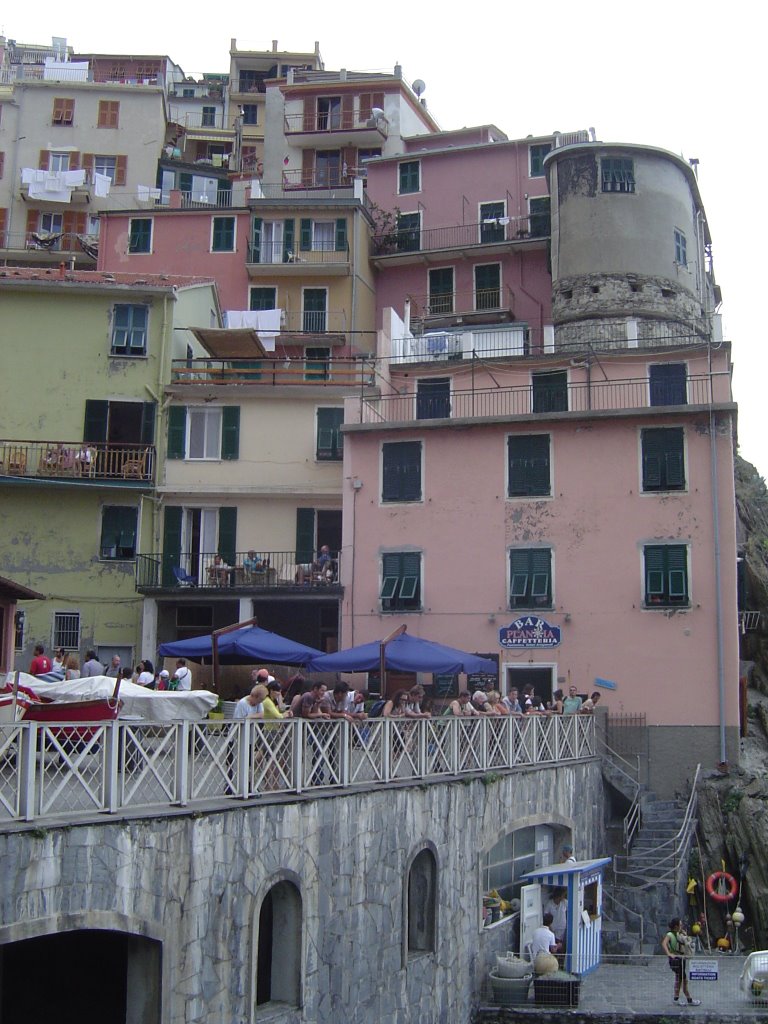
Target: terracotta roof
17,592
92,278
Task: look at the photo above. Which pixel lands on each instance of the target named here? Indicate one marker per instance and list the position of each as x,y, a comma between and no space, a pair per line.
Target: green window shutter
329,436
177,431
185,182
305,535
677,572
305,240
118,531
148,422
529,470
289,233
228,535
171,542
256,240
662,451
401,471
230,432
530,577
96,419
341,234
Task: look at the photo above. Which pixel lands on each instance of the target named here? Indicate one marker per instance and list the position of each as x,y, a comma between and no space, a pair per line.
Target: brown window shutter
366,106
309,113
87,164
109,114
347,110
349,161
2,163
44,158
80,223
74,161
378,100
121,164
3,220
32,219
68,222
307,167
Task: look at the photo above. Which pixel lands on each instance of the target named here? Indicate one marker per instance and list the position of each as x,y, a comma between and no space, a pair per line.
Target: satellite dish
418,86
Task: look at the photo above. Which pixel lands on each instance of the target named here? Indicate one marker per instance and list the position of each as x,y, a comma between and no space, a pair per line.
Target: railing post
113,733
244,760
27,755
386,749
344,739
182,762
298,754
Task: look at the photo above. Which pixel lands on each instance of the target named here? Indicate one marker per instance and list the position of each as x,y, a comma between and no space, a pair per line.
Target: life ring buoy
718,882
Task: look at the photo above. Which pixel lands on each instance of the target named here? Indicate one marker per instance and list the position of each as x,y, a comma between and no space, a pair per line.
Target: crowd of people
490,702
66,667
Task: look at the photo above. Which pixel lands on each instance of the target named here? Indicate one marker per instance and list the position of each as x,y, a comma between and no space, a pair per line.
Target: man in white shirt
252,705
557,906
182,675
544,940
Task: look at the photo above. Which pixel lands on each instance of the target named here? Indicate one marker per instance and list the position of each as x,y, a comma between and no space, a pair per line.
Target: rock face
752,510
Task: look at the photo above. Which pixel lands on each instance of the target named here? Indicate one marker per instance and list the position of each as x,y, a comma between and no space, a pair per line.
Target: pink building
569,505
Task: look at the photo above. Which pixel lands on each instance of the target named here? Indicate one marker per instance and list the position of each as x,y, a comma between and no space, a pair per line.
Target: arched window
421,907
278,966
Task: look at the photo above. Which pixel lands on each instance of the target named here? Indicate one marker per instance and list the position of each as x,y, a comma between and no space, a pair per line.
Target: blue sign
529,631
703,970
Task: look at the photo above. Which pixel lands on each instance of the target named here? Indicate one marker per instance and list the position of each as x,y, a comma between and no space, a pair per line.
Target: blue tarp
403,654
251,643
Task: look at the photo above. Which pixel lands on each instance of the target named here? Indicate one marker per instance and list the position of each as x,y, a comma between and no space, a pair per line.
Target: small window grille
66,630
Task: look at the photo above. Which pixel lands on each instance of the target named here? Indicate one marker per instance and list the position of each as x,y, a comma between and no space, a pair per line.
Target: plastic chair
183,578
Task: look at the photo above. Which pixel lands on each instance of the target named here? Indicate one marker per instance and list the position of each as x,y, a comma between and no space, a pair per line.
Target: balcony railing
446,304
319,178
333,121
54,241
76,460
344,373
321,253
436,346
197,120
74,773
497,231
300,571
203,200
598,396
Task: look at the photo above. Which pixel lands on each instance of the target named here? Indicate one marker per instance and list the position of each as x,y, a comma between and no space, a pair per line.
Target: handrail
633,817
628,910
677,844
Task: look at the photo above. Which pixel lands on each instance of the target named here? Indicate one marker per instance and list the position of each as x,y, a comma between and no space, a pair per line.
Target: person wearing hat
162,680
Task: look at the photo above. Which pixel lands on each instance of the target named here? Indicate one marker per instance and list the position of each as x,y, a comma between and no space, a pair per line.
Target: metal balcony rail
517,339
211,570
495,231
319,178
193,120
278,252
51,241
450,303
204,200
666,861
77,460
72,772
748,622
597,396
334,121
272,372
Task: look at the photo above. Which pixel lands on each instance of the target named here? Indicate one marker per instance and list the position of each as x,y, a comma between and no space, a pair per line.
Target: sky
685,75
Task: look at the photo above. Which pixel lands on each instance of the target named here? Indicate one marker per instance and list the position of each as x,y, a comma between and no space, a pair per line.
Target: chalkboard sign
484,680
445,685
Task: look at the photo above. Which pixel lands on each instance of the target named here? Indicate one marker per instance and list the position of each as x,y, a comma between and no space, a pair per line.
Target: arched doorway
81,977
278,965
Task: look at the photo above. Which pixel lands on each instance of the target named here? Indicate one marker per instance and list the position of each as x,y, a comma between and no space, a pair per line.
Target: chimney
343,75
175,199
274,46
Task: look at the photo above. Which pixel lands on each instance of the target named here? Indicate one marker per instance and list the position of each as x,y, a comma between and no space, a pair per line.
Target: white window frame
58,218
100,167
131,350
399,502
142,252
212,417
61,159
323,244
314,288
532,608
274,287
665,607
538,145
428,290
224,216
56,640
490,263
531,497
422,568
686,465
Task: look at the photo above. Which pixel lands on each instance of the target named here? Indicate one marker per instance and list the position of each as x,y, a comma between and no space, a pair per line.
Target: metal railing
496,231
517,339
749,621
608,894
318,178
271,372
54,241
666,860
194,120
201,200
334,121
297,570
597,396
479,300
77,460
76,771
278,252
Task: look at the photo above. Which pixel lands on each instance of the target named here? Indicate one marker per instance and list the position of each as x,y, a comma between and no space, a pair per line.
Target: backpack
376,708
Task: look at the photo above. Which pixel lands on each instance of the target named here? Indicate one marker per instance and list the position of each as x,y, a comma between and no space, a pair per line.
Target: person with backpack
675,945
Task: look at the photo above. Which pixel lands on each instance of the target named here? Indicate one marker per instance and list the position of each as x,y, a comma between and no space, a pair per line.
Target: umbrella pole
383,656
215,644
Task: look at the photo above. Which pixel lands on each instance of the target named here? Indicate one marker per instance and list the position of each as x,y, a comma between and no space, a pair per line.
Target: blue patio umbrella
248,643
403,653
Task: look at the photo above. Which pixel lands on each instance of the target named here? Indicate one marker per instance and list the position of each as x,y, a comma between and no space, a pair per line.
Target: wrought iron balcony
545,398
298,571
344,373
80,461
278,253
495,231
55,243
449,304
